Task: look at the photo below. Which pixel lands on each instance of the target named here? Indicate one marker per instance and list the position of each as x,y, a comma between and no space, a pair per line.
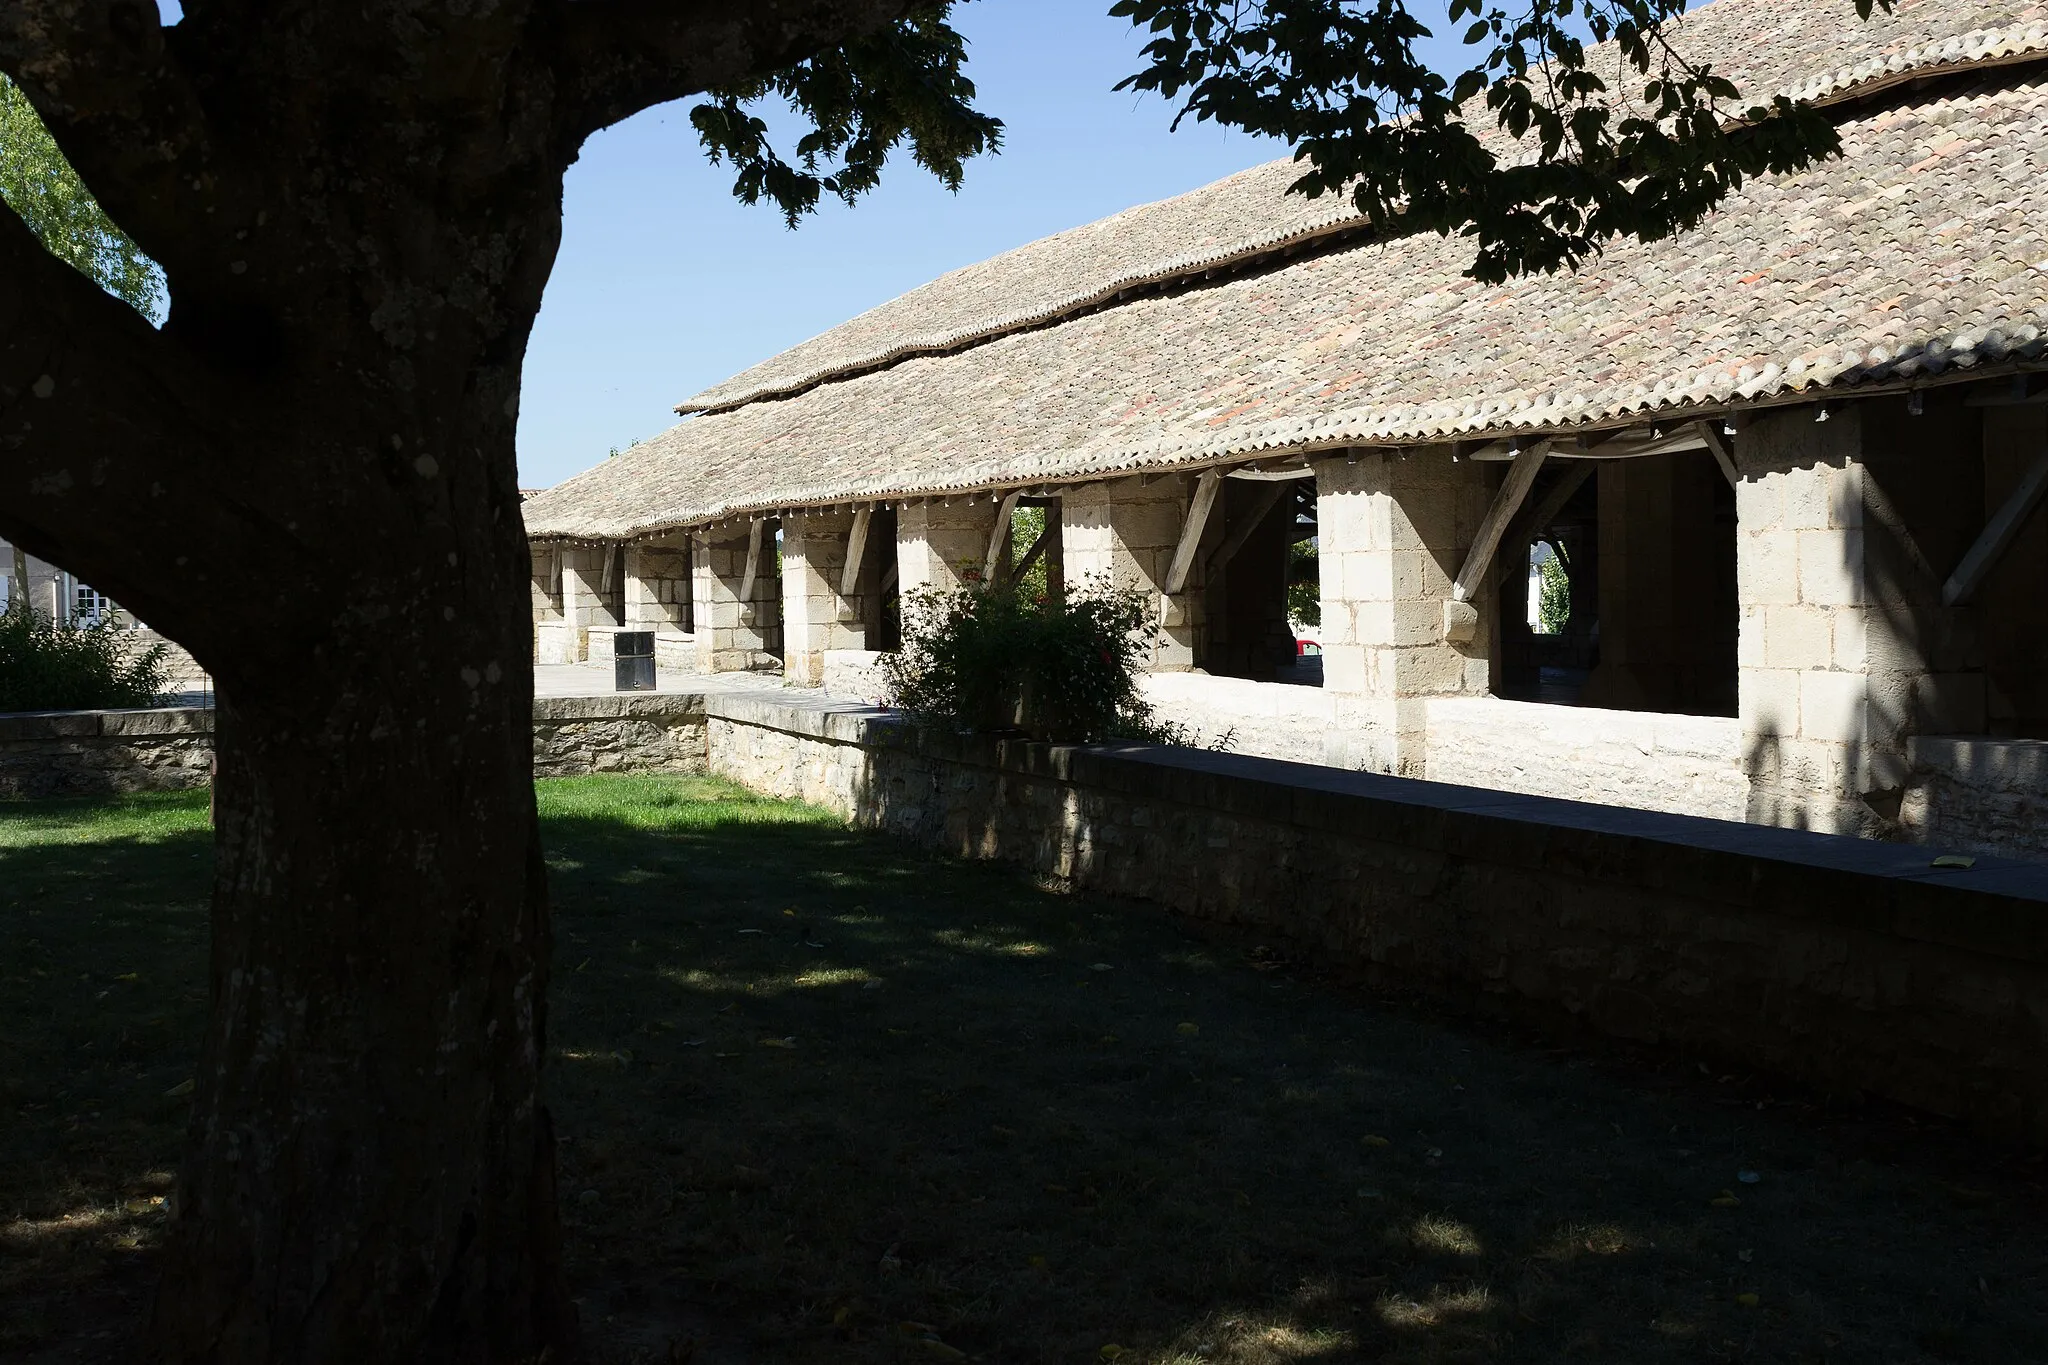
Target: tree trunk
371,1168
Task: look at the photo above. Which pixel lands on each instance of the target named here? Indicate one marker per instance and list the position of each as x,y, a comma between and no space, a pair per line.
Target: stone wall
87,753
1979,795
1851,965
1683,765
95,753
633,732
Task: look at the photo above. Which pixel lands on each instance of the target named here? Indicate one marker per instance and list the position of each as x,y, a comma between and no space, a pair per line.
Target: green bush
83,666
996,659
1304,584
1553,598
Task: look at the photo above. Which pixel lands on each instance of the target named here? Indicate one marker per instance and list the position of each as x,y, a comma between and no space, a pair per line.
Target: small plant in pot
1061,669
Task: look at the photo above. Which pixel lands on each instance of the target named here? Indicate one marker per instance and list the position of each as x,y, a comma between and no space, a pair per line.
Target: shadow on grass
102,999
866,1104
825,1098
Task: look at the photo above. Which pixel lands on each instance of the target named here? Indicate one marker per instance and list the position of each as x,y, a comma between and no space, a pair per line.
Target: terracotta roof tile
1784,291
1765,46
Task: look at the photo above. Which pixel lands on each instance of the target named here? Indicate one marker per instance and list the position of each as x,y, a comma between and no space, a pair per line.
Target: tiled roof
1921,253
1814,49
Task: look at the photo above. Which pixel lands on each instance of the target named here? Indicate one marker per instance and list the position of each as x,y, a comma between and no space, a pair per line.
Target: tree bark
370,1174
308,478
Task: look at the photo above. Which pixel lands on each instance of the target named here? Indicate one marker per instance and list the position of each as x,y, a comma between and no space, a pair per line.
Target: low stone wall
83,753
94,753
1854,966
1978,795
1685,765
855,674
641,732
1272,720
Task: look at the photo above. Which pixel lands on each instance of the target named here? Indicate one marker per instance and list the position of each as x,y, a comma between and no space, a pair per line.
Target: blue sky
666,284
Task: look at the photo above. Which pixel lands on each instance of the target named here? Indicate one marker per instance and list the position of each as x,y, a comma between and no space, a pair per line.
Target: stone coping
2015,764
151,720
1994,907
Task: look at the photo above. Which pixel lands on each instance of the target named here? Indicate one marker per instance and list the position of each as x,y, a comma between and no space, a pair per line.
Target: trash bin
633,652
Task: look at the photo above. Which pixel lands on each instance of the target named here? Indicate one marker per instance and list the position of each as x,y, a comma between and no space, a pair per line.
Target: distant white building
49,589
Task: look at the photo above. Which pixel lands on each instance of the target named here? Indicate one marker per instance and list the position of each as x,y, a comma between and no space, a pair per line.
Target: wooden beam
1031,555
1254,516
1982,556
856,550
1722,451
753,559
1521,475
1001,533
1206,488
1545,509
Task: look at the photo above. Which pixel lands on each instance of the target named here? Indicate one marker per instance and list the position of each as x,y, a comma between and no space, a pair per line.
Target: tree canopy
40,185
1587,157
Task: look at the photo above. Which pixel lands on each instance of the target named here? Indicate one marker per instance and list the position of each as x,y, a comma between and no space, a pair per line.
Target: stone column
550,635
943,545
736,634
1845,651
1124,531
658,586
588,594
1391,536
816,616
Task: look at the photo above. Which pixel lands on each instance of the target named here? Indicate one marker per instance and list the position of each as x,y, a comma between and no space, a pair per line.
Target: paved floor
592,680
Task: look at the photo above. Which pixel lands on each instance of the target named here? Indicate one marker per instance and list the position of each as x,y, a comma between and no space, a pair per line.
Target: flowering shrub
998,659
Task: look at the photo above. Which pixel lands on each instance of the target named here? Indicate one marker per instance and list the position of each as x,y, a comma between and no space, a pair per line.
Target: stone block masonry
635,732
1851,965
99,753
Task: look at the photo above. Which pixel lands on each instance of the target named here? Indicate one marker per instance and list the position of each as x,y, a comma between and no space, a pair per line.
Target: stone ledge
164,720
681,706
1998,907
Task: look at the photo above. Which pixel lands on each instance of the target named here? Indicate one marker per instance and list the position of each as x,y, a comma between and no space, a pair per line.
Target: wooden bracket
2005,523
999,534
1723,453
856,550
1254,516
1521,475
1206,489
753,559
1546,508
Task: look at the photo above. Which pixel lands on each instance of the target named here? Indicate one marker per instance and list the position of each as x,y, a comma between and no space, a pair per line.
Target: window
88,606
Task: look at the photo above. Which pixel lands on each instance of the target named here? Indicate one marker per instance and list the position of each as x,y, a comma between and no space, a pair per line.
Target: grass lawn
825,1098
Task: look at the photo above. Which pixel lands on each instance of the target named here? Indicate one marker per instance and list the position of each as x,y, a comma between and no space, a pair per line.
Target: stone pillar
736,634
1391,536
589,593
658,585
1845,650
816,616
943,546
1124,531
549,633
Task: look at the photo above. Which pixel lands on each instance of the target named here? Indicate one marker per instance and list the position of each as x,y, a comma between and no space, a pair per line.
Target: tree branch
106,467
616,57
124,110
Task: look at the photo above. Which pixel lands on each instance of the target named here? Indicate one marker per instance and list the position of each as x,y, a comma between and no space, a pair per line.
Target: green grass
825,1098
